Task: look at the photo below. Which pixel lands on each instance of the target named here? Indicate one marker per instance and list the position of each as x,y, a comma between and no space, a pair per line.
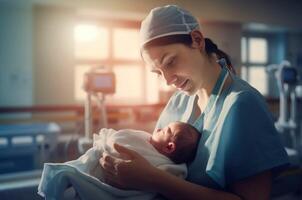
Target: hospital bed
24,147
20,185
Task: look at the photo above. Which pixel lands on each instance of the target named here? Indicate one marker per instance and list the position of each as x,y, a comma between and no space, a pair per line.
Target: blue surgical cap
165,21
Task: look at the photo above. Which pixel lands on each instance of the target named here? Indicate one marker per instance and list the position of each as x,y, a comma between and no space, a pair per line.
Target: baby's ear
170,147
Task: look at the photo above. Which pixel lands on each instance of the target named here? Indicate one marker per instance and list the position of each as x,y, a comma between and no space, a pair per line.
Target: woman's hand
134,172
131,172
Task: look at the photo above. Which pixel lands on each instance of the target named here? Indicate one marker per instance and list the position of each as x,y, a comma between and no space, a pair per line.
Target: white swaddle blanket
85,174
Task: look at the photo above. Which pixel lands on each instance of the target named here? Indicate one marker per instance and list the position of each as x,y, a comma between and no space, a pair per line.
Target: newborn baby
166,148
178,141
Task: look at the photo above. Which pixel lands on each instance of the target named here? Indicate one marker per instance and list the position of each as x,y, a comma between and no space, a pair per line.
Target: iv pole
96,84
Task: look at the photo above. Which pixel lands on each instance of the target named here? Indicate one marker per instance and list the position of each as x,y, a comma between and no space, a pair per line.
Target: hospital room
150,99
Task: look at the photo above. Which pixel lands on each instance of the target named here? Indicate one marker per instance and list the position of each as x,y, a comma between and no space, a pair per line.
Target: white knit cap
165,21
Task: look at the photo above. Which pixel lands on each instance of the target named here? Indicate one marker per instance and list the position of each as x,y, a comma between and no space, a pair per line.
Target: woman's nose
170,79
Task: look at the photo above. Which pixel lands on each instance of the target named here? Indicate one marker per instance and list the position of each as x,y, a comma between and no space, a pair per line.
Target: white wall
16,54
275,12
53,55
36,38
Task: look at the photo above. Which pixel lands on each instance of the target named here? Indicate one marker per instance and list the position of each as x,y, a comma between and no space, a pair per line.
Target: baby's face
161,138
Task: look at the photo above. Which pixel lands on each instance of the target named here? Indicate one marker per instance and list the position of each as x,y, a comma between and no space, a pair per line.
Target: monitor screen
103,82
289,75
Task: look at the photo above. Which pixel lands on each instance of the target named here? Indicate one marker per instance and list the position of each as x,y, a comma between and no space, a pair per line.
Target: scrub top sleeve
245,143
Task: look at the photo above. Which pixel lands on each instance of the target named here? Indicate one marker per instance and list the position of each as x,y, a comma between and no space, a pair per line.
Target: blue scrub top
238,135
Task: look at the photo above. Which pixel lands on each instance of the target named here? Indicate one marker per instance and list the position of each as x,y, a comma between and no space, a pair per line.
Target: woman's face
180,65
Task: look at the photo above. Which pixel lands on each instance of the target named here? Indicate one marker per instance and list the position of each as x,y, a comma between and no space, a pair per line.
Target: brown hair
186,39
185,147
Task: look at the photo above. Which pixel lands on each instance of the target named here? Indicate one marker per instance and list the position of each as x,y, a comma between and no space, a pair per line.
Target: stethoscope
223,76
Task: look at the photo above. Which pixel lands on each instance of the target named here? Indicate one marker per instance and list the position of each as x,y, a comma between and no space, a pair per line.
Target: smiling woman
232,116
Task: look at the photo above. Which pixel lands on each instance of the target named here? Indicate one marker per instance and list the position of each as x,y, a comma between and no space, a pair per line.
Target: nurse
239,152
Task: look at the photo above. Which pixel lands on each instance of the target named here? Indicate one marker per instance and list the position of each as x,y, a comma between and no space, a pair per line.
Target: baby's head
178,141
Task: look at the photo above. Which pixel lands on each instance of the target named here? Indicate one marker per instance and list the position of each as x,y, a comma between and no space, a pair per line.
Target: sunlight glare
85,32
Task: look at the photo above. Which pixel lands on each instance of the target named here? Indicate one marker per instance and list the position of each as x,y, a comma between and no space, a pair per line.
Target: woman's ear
197,39
170,147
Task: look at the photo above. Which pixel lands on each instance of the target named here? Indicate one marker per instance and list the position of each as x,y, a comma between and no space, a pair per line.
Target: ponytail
211,47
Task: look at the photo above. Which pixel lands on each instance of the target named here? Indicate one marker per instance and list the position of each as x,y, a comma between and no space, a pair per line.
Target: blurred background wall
37,50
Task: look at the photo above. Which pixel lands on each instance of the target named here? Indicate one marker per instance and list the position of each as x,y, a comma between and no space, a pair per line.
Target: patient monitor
98,83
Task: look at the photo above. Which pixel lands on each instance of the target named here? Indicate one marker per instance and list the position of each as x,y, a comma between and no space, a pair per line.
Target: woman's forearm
175,188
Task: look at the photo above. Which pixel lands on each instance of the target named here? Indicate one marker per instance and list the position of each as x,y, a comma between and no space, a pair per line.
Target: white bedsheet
85,173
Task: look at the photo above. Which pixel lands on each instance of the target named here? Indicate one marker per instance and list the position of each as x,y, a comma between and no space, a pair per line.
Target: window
257,50
126,44
91,42
115,45
254,56
258,78
129,81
